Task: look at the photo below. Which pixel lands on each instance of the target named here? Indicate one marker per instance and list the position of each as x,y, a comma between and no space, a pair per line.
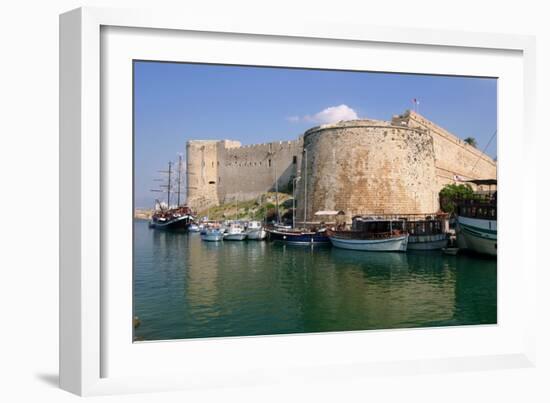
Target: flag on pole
415,102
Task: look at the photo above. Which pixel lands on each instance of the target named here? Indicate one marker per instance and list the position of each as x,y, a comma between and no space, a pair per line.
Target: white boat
194,228
389,244
478,234
255,231
212,235
235,232
476,223
371,233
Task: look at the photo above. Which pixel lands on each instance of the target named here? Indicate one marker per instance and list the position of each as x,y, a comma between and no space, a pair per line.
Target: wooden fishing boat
426,232
371,234
297,236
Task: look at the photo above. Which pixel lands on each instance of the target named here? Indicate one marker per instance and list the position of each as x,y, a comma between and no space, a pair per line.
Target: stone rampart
223,171
359,166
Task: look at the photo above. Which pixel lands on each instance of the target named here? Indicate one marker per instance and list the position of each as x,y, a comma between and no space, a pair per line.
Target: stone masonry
358,166
223,171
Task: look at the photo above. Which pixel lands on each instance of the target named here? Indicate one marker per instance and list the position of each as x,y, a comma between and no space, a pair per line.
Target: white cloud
331,114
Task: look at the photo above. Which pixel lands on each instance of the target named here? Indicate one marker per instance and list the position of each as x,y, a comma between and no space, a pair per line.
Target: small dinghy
450,251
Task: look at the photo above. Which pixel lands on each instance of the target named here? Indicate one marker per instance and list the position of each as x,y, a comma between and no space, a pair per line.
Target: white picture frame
85,307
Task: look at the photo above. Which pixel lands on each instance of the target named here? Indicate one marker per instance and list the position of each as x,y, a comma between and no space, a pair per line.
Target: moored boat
450,251
478,234
194,228
255,231
167,217
298,236
476,223
175,219
212,235
235,232
426,233
371,234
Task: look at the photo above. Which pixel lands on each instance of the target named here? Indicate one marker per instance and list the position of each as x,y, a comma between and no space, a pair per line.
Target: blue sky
176,102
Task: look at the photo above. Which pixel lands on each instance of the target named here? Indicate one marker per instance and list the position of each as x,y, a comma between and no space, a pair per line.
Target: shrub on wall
449,195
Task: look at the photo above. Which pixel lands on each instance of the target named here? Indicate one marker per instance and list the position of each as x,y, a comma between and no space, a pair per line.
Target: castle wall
224,171
360,167
367,167
246,172
452,155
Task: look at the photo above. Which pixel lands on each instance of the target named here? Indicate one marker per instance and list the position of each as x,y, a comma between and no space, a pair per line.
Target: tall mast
165,188
179,178
276,191
272,162
169,181
305,185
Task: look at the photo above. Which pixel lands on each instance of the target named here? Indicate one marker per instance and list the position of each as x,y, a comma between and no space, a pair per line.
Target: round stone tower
367,167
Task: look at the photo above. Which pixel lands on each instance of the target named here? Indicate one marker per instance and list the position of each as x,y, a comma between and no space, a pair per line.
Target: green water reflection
186,288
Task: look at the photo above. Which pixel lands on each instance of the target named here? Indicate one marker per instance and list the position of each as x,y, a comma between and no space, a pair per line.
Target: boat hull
299,238
394,244
212,236
427,242
256,234
175,224
478,235
234,237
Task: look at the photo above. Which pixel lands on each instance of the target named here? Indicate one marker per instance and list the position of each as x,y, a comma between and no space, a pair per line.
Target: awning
330,212
483,181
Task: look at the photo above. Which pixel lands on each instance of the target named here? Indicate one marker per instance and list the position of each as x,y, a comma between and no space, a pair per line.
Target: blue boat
298,236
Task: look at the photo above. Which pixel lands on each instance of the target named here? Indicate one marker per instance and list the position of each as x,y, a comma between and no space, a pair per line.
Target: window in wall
294,159
269,162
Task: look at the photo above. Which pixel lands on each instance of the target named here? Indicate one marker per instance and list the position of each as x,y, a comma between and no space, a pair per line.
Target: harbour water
187,288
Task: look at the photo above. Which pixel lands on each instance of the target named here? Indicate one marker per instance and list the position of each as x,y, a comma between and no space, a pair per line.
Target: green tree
471,141
449,195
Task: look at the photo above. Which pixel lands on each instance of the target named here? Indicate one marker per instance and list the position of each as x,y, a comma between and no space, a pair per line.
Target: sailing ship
371,234
171,218
174,219
476,226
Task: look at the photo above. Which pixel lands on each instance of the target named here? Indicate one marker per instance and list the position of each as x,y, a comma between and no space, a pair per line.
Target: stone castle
357,166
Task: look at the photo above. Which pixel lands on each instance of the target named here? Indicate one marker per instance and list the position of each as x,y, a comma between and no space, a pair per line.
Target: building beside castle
357,166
